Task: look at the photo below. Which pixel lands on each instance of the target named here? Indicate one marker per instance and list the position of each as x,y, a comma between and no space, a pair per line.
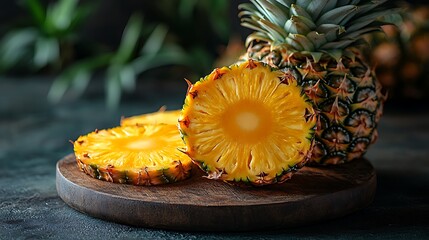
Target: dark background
108,21
104,27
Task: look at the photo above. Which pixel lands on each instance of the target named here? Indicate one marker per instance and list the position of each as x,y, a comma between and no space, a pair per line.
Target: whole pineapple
320,43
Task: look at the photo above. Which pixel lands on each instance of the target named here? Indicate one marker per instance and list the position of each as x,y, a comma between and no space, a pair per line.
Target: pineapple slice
138,155
248,123
162,116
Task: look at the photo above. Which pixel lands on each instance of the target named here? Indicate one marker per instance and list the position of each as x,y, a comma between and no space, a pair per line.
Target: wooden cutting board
199,204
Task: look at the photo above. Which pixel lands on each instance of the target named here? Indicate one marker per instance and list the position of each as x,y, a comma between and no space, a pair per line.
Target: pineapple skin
140,178
347,95
217,174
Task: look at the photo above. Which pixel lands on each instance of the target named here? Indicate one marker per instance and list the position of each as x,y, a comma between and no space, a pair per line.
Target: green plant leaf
127,77
35,8
113,89
186,9
15,45
80,81
58,88
129,40
77,78
217,11
80,15
155,41
61,14
169,54
80,71
46,51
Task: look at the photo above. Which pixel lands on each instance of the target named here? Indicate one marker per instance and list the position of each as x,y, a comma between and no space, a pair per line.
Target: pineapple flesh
248,124
160,117
320,43
137,155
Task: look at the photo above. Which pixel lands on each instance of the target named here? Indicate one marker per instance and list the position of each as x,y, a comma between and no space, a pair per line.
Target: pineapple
162,116
248,124
402,54
319,42
138,155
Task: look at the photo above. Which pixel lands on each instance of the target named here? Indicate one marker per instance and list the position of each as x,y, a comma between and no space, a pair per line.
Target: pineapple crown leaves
313,27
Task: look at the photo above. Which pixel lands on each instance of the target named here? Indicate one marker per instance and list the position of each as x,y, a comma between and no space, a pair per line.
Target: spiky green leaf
318,39
337,15
298,10
295,25
300,42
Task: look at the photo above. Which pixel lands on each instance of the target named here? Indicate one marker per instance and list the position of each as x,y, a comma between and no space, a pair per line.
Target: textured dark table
34,136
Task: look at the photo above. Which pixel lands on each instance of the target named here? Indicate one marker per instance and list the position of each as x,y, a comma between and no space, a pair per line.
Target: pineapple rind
364,105
134,177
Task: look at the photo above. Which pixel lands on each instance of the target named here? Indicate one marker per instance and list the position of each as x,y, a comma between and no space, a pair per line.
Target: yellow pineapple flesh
164,117
138,155
248,123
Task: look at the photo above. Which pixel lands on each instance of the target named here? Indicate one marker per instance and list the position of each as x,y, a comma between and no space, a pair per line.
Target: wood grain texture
198,204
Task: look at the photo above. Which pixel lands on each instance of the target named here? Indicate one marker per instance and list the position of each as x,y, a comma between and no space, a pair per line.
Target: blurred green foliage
48,38
198,26
183,33
121,67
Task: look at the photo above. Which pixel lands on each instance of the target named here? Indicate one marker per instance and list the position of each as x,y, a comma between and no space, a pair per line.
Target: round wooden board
199,204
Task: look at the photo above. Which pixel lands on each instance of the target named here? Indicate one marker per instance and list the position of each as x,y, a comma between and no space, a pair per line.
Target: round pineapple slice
165,117
138,155
248,123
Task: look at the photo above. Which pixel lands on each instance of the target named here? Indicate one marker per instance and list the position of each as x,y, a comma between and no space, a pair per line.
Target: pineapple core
144,144
247,121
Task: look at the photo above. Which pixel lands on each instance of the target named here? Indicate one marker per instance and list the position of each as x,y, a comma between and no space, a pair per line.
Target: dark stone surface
34,136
